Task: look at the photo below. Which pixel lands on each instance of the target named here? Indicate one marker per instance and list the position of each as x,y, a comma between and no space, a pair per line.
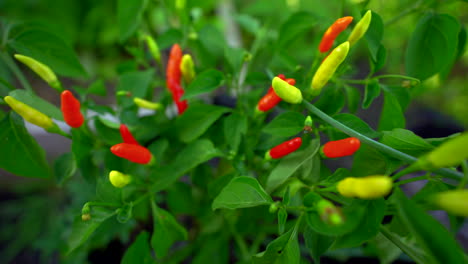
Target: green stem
406,12
464,180
355,81
377,145
239,241
14,68
397,76
419,178
403,173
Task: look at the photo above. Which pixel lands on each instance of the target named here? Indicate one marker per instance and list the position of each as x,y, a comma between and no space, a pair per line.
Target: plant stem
464,180
14,68
397,76
408,11
239,241
365,81
379,146
419,178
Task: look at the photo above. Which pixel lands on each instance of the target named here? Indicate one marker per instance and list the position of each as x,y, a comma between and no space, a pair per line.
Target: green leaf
129,15
139,251
249,23
108,135
353,98
406,141
82,146
196,120
212,40
392,115
367,229
50,50
286,124
432,46
241,192
290,164
297,24
282,219
381,59
64,167
431,235
204,82
284,249
193,155
357,124
386,251
235,126
106,192
316,243
38,103
82,230
137,83
374,35
235,58
353,214
97,87
368,161
372,91
331,94
158,148
166,231
21,155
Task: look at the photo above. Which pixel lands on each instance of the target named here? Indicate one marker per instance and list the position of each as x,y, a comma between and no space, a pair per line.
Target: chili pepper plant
230,132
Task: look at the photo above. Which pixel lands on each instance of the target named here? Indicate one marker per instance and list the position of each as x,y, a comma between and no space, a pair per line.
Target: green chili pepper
450,153
147,104
153,48
454,202
30,114
361,28
42,70
187,68
328,67
286,91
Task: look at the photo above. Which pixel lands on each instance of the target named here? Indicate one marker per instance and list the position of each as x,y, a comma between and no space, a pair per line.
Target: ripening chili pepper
328,67
332,32
308,124
118,179
30,114
153,48
453,201
42,70
70,107
284,148
270,100
329,213
340,148
142,103
286,92
187,68
132,152
361,28
450,153
173,73
126,135
370,187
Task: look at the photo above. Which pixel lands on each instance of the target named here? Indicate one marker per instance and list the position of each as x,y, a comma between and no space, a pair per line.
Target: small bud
329,213
85,217
118,179
308,124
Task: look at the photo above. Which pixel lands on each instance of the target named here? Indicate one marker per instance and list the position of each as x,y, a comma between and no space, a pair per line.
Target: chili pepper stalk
328,68
42,70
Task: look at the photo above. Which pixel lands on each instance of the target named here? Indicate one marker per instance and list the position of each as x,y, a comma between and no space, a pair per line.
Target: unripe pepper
448,154
42,70
118,179
370,187
332,32
361,28
153,48
454,202
142,103
187,68
132,152
329,213
127,136
308,124
270,100
30,114
284,148
70,107
328,67
286,92
340,148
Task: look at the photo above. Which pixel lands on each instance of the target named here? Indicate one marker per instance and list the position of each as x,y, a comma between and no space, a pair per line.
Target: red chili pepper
71,109
341,148
270,100
333,31
173,72
132,152
284,148
127,135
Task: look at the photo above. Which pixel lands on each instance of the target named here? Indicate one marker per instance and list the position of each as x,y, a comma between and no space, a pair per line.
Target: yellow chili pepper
140,102
287,92
42,70
454,202
369,187
30,114
187,68
118,179
153,48
450,153
328,67
361,28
